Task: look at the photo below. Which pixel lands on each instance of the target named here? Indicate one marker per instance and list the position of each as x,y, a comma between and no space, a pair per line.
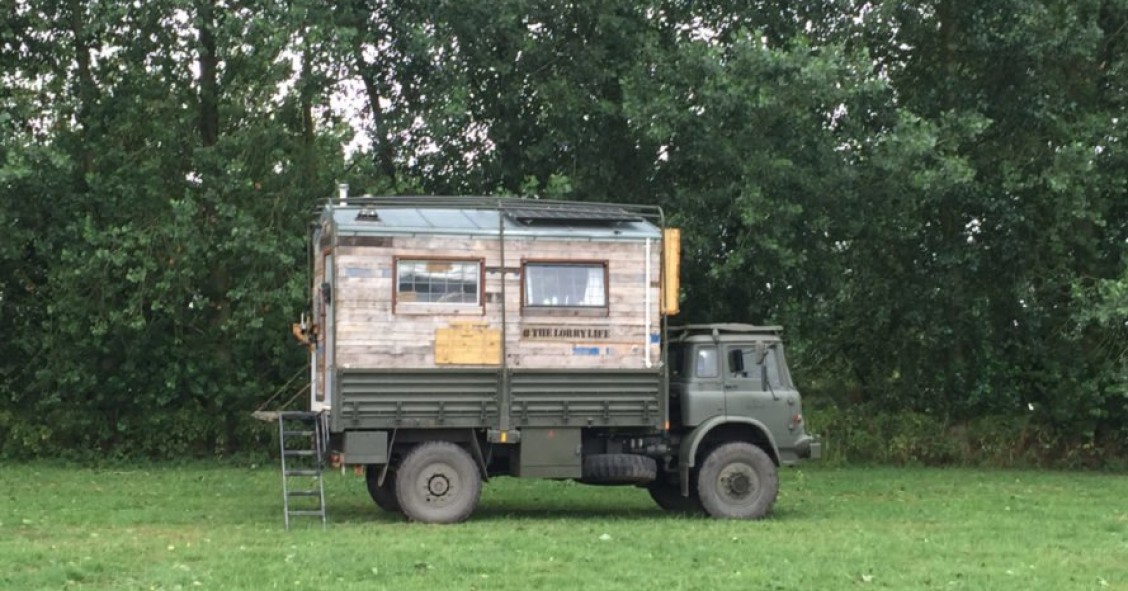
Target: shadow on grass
503,511
494,511
510,510
580,511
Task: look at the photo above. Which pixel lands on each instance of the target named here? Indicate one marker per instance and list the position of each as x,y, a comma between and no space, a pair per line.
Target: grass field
209,527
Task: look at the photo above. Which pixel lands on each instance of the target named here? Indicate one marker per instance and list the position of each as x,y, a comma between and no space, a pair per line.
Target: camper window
565,285
438,281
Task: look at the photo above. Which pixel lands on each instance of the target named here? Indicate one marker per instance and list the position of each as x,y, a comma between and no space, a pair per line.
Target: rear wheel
668,496
438,482
384,496
738,481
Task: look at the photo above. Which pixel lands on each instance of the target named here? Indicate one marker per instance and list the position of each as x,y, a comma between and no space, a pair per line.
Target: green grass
205,527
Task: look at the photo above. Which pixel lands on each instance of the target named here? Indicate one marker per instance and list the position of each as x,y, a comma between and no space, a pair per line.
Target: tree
173,260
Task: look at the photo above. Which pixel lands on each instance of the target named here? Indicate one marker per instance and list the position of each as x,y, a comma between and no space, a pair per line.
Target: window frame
399,307
528,309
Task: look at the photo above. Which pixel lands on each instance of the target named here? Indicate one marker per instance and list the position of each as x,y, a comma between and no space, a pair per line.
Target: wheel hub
438,485
738,482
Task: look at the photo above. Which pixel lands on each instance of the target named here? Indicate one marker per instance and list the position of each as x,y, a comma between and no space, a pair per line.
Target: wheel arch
719,430
724,429
404,440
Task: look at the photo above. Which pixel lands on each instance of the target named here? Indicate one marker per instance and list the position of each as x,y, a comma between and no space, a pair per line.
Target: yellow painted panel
671,250
468,344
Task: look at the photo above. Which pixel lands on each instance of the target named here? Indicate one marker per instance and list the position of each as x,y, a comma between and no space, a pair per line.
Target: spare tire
619,469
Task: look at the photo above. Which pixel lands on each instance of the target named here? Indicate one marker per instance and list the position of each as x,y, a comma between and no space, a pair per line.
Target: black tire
619,469
383,496
668,496
438,482
738,481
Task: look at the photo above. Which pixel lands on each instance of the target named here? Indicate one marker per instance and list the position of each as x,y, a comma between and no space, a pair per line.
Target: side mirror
761,352
736,361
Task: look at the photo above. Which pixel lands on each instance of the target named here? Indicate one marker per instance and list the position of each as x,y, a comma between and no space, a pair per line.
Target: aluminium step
310,434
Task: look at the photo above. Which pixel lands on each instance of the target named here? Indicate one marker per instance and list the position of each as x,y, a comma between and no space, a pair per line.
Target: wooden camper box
487,313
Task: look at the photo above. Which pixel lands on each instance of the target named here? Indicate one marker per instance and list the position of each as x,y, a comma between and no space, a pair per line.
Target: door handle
731,386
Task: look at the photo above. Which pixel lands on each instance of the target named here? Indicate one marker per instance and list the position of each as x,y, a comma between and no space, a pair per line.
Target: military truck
458,339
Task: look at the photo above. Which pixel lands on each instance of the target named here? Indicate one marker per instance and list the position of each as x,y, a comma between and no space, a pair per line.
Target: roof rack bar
501,204
730,327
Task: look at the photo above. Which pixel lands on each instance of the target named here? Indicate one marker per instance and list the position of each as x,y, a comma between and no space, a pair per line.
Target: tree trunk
86,91
383,155
309,162
209,63
219,279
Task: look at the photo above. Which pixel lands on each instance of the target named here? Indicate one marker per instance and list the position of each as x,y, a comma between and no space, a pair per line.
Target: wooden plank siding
319,320
371,333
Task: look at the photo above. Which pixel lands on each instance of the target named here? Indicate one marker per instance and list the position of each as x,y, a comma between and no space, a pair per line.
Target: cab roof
723,332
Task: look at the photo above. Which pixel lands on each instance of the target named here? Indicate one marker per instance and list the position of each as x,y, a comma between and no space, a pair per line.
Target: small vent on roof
572,215
367,214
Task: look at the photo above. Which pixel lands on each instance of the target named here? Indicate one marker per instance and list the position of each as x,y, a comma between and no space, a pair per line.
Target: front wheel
438,482
738,481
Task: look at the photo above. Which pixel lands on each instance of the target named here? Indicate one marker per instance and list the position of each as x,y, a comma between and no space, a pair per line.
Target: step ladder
303,444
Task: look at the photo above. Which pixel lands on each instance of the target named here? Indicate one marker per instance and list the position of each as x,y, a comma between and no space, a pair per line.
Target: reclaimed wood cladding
319,320
371,334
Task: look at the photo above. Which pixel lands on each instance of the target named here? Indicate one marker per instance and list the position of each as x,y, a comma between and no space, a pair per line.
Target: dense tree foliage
930,194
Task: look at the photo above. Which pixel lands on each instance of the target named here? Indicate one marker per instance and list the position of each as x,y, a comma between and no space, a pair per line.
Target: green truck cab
736,415
457,339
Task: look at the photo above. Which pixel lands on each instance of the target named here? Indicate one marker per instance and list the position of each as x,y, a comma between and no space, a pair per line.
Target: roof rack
523,210
567,213
717,329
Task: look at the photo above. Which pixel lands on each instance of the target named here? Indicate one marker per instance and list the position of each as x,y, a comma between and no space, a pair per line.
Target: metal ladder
304,459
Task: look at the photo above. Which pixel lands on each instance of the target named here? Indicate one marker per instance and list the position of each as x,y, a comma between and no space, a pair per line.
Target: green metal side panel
549,453
366,447
395,399
469,398
586,398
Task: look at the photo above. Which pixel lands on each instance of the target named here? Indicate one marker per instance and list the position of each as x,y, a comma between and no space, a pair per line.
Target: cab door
747,395
701,394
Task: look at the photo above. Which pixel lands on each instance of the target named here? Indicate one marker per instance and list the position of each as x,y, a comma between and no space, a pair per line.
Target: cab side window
740,364
705,363
745,367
